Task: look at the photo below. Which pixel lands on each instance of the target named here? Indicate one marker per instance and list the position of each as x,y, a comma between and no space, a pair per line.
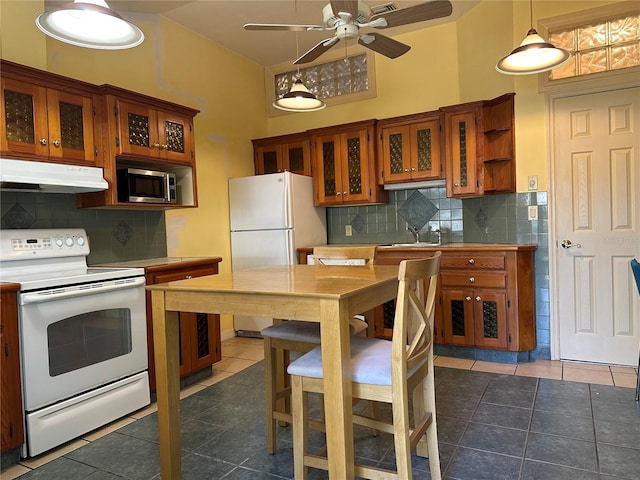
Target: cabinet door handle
478,298
56,143
413,169
472,279
471,261
406,169
156,145
338,193
164,147
456,184
43,141
344,193
188,276
467,298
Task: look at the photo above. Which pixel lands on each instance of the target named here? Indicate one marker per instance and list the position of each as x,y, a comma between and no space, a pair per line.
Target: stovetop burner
46,258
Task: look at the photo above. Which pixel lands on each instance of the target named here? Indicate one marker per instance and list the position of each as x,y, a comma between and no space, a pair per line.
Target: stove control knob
69,242
59,242
80,241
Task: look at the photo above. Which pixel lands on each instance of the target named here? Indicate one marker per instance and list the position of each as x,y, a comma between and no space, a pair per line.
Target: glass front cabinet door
47,124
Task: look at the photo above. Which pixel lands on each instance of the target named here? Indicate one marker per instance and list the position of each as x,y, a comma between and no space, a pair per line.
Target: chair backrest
366,253
413,322
635,268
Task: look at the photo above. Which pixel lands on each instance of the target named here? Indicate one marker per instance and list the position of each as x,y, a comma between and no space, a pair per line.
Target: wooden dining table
330,295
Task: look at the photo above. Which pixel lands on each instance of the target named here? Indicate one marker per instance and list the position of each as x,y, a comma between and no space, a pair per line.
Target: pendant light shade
299,99
90,24
534,55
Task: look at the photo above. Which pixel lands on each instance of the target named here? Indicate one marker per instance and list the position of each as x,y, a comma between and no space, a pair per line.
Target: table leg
334,333
165,342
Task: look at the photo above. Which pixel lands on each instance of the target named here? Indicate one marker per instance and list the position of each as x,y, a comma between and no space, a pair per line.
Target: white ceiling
222,21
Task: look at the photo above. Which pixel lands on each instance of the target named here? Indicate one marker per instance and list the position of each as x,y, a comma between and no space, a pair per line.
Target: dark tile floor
490,426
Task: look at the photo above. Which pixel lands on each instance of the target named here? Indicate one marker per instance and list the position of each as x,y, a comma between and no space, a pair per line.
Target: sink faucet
415,232
439,232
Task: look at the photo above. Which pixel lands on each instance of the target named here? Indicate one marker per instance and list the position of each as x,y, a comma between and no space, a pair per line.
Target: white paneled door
597,224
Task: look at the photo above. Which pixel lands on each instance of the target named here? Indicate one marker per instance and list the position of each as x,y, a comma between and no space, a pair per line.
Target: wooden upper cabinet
462,151
46,124
285,153
480,147
145,131
344,165
410,148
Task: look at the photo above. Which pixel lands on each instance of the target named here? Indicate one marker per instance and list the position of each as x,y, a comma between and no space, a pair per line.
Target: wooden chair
635,268
383,371
298,336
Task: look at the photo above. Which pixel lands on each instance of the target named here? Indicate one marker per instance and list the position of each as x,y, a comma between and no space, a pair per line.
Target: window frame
620,78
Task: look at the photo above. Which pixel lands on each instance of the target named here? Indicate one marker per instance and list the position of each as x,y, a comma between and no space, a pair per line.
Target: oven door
77,338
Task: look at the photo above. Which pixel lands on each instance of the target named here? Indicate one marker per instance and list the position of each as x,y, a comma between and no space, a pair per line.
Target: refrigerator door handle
288,201
291,254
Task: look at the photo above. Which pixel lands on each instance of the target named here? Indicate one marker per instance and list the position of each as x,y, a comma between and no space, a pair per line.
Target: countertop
446,246
152,262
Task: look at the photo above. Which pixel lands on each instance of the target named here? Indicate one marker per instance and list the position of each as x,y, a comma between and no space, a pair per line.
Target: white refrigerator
270,217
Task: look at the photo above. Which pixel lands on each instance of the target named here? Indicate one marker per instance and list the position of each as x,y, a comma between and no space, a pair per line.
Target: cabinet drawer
471,260
473,279
181,274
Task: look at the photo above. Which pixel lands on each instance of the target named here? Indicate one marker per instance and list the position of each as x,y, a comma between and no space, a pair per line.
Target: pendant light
534,55
299,98
90,24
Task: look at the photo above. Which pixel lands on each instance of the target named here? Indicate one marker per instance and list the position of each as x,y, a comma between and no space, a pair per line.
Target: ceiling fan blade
417,13
348,6
282,26
317,50
383,45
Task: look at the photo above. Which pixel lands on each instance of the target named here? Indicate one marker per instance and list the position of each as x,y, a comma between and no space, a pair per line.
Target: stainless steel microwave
146,186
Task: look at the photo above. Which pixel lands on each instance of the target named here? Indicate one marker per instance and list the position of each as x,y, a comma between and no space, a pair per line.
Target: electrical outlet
348,231
532,213
532,182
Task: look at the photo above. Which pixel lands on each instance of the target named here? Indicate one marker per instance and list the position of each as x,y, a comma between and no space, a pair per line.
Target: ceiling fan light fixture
90,24
299,99
534,55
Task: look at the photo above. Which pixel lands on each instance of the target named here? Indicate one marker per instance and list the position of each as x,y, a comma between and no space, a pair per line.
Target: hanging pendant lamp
299,99
534,55
90,24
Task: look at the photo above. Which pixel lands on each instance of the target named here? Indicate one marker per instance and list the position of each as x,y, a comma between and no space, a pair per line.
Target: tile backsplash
114,235
490,219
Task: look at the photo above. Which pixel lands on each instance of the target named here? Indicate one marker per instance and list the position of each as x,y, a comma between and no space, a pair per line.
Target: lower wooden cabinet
200,344
486,295
11,424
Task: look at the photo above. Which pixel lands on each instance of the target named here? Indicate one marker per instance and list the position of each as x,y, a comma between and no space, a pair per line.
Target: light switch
348,231
532,213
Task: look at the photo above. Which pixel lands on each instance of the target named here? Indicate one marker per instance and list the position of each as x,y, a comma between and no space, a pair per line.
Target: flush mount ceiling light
90,24
534,55
299,99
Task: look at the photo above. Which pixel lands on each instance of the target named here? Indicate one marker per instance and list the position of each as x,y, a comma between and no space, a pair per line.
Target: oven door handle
64,293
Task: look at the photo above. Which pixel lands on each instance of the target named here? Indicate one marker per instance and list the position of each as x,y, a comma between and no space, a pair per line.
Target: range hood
46,177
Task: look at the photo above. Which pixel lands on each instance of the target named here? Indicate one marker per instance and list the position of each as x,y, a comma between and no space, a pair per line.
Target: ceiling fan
347,17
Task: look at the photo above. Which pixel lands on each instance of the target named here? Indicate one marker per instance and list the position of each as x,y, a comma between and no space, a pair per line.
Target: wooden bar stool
298,336
391,372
